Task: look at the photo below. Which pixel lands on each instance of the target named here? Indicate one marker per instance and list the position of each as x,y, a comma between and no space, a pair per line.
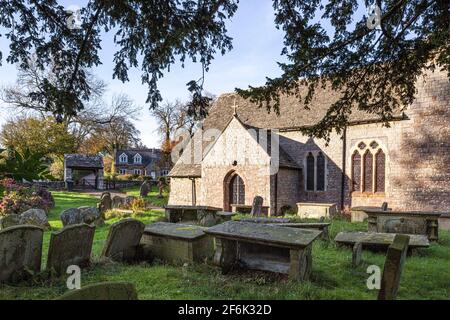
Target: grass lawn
426,275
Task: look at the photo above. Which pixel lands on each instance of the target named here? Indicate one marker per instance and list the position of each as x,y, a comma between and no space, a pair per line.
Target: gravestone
71,245
20,252
123,240
128,200
117,202
88,215
105,203
103,291
36,217
395,260
9,220
145,189
257,207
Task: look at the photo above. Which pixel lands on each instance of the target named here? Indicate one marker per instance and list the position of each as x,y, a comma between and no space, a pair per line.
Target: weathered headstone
395,259
103,291
257,207
105,203
88,215
128,200
36,217
70,216
20,252
145,189
71,245
117,202
357,254
123,240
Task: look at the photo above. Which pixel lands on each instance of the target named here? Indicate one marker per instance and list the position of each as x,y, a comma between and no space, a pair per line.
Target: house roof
292,115
83,161
148,155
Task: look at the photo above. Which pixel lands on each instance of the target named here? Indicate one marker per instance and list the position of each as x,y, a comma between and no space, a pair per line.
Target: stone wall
235,151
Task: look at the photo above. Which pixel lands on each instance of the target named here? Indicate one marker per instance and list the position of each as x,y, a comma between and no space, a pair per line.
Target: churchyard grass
425,274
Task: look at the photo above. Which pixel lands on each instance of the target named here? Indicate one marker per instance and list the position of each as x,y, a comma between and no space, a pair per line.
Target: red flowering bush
19,198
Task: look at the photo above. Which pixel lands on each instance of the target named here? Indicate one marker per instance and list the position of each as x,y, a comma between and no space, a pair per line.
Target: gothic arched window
368,172
356,171
380,171
320,172
310,172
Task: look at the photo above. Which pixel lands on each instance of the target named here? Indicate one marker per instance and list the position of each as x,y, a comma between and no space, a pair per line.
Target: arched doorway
234,190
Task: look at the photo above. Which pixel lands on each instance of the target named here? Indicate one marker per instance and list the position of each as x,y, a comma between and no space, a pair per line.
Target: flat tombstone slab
378,240
123,239
322,226
264,247
103,291
266,220
176,242
20,252
257,206
70,246
265,234
395,259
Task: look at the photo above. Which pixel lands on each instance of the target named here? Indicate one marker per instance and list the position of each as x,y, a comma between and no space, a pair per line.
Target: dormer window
123,158
137,159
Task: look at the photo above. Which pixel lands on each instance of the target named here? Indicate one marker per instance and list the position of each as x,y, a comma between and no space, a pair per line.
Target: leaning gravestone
145,189
20,252
70,246
123,240
257,207
103,291
395,259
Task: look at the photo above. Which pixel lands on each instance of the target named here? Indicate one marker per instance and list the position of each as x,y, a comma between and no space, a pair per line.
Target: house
142,162
242,151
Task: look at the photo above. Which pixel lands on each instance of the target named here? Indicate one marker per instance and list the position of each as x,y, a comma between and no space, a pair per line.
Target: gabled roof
83,161
191,169
148,155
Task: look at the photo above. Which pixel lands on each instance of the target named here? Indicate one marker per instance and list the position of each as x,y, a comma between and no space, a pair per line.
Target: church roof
292,116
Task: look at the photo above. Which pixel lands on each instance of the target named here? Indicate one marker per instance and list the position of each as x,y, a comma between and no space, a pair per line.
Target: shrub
111,214
138,204
18,198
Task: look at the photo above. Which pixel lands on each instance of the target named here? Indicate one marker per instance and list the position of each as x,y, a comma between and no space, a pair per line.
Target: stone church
246,152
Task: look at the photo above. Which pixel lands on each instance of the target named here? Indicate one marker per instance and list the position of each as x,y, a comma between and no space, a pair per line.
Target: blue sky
257,47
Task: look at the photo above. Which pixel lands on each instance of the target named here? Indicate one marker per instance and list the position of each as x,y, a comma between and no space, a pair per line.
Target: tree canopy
373,66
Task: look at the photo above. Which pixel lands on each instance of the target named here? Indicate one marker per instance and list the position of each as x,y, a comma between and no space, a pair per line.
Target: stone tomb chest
264,247
308,210
176,242
410,222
